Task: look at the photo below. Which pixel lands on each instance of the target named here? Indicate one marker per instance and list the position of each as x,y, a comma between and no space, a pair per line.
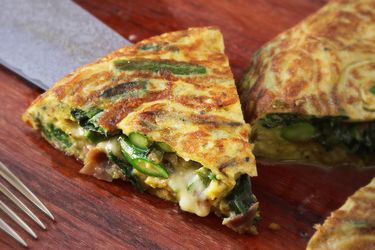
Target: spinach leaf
59,135
177,68
82,116
241,197
94,137
55,134
88,119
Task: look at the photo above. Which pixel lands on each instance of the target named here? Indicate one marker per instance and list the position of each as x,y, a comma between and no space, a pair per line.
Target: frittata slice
163,114
310,92
351,227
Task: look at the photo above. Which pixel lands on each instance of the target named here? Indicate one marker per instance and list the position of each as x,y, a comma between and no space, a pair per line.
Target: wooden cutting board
95,214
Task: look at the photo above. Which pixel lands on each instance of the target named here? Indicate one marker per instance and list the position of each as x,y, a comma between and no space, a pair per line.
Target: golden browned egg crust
351,227
173,96
323,66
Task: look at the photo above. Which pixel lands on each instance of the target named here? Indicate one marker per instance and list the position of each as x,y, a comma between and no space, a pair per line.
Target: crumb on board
132,37
274,226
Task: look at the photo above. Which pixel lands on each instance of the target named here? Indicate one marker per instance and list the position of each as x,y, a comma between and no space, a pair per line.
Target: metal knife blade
43,40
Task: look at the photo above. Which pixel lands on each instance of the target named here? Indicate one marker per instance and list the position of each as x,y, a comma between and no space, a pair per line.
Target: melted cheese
186,184
190,191
111,145
77,132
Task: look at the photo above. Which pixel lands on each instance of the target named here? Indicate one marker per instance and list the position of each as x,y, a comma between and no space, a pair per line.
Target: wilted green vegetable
125,89
241,197
137,157
177,68
139,140
88,119
372,89
330,131
165,147
128,171
150,46
55,134
298,132
94,137
150,168
205,175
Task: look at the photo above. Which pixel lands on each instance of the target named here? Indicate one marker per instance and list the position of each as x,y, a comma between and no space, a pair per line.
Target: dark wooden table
95,214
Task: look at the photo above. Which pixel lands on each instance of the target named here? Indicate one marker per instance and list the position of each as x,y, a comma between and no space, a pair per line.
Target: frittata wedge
351,227
310,92
163,114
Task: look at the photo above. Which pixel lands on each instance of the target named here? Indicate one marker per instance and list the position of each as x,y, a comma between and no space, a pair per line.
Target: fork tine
21,205
7,229
17,219
17,183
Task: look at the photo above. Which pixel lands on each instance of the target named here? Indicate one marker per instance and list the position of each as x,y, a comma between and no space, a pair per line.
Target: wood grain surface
92,214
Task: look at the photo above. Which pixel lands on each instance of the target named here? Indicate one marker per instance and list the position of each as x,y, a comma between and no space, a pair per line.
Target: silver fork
17,183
